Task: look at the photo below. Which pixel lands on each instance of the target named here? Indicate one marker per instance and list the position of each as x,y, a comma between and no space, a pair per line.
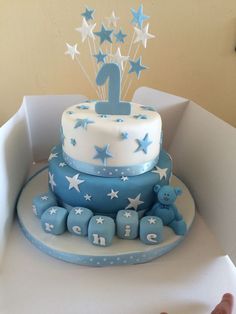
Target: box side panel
204,154
44,120
15,160
170,108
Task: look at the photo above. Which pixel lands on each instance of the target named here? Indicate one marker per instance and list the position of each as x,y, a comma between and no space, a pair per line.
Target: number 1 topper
113,106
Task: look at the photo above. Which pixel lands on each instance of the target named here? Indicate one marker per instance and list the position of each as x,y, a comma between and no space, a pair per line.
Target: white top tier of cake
93,142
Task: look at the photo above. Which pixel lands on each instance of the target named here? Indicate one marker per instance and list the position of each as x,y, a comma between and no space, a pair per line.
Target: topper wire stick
95,49
86,75
136,51
94,66
131,43
127,88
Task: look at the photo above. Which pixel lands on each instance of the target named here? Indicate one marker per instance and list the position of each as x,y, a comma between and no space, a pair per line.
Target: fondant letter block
78,220
127,224
42,202
151,230
53,220
101,230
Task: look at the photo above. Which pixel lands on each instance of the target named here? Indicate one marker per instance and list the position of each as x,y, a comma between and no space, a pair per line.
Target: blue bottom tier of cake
104,195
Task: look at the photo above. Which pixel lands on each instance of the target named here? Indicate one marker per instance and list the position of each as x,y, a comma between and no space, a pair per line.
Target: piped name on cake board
106,47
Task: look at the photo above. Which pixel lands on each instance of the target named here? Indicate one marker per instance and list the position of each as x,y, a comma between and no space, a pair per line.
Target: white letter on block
99,240
151,237
76,229
127,230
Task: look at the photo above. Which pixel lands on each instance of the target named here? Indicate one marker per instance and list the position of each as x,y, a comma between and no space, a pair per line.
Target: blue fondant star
136,67
82,123
139,17
100,56
119,120
88,14
140,116
120,37
143,144
70,112
149,108
83,107
102,153
104,34
73,141
124,135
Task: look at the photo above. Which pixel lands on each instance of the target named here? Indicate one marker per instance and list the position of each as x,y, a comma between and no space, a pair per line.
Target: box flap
15,160
204,154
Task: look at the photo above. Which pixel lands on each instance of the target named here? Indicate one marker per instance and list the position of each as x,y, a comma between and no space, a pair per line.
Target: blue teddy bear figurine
165,208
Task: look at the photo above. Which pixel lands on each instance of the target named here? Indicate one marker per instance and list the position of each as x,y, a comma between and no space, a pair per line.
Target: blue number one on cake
111,72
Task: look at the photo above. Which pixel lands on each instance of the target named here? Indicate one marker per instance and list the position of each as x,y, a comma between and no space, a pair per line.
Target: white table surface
189,279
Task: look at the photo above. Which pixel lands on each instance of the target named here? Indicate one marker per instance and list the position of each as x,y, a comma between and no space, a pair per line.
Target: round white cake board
79,250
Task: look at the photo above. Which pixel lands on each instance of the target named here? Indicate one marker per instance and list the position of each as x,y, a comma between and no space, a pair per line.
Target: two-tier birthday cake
109,177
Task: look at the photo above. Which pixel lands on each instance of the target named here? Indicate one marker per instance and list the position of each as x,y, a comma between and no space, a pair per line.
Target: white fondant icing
101,133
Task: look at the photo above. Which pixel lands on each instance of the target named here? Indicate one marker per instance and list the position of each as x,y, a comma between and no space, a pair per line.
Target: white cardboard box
189,279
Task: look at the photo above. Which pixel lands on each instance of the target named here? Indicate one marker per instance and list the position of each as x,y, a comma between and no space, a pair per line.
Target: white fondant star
51,180
74,182
44,198
152,220
52,211
34,209
134,202
113,194
127,214
48,227
62,164
52,155
119,59
99,220
72,51
124,178
86,30
142,35
161,171
87,197
78,211
113,19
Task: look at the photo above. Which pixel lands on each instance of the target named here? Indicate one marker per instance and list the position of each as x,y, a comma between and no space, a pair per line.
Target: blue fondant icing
73,141
139,17
78,220
143,144
98,187
88,14
83,107
53,220
120,37
101,230
151,230
124,135
127,224
140,117
100,56
102,153
83,123
113,106
104,34
42,202
136,66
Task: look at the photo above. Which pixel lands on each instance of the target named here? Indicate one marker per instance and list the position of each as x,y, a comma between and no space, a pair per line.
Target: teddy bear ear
178,191
156,188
